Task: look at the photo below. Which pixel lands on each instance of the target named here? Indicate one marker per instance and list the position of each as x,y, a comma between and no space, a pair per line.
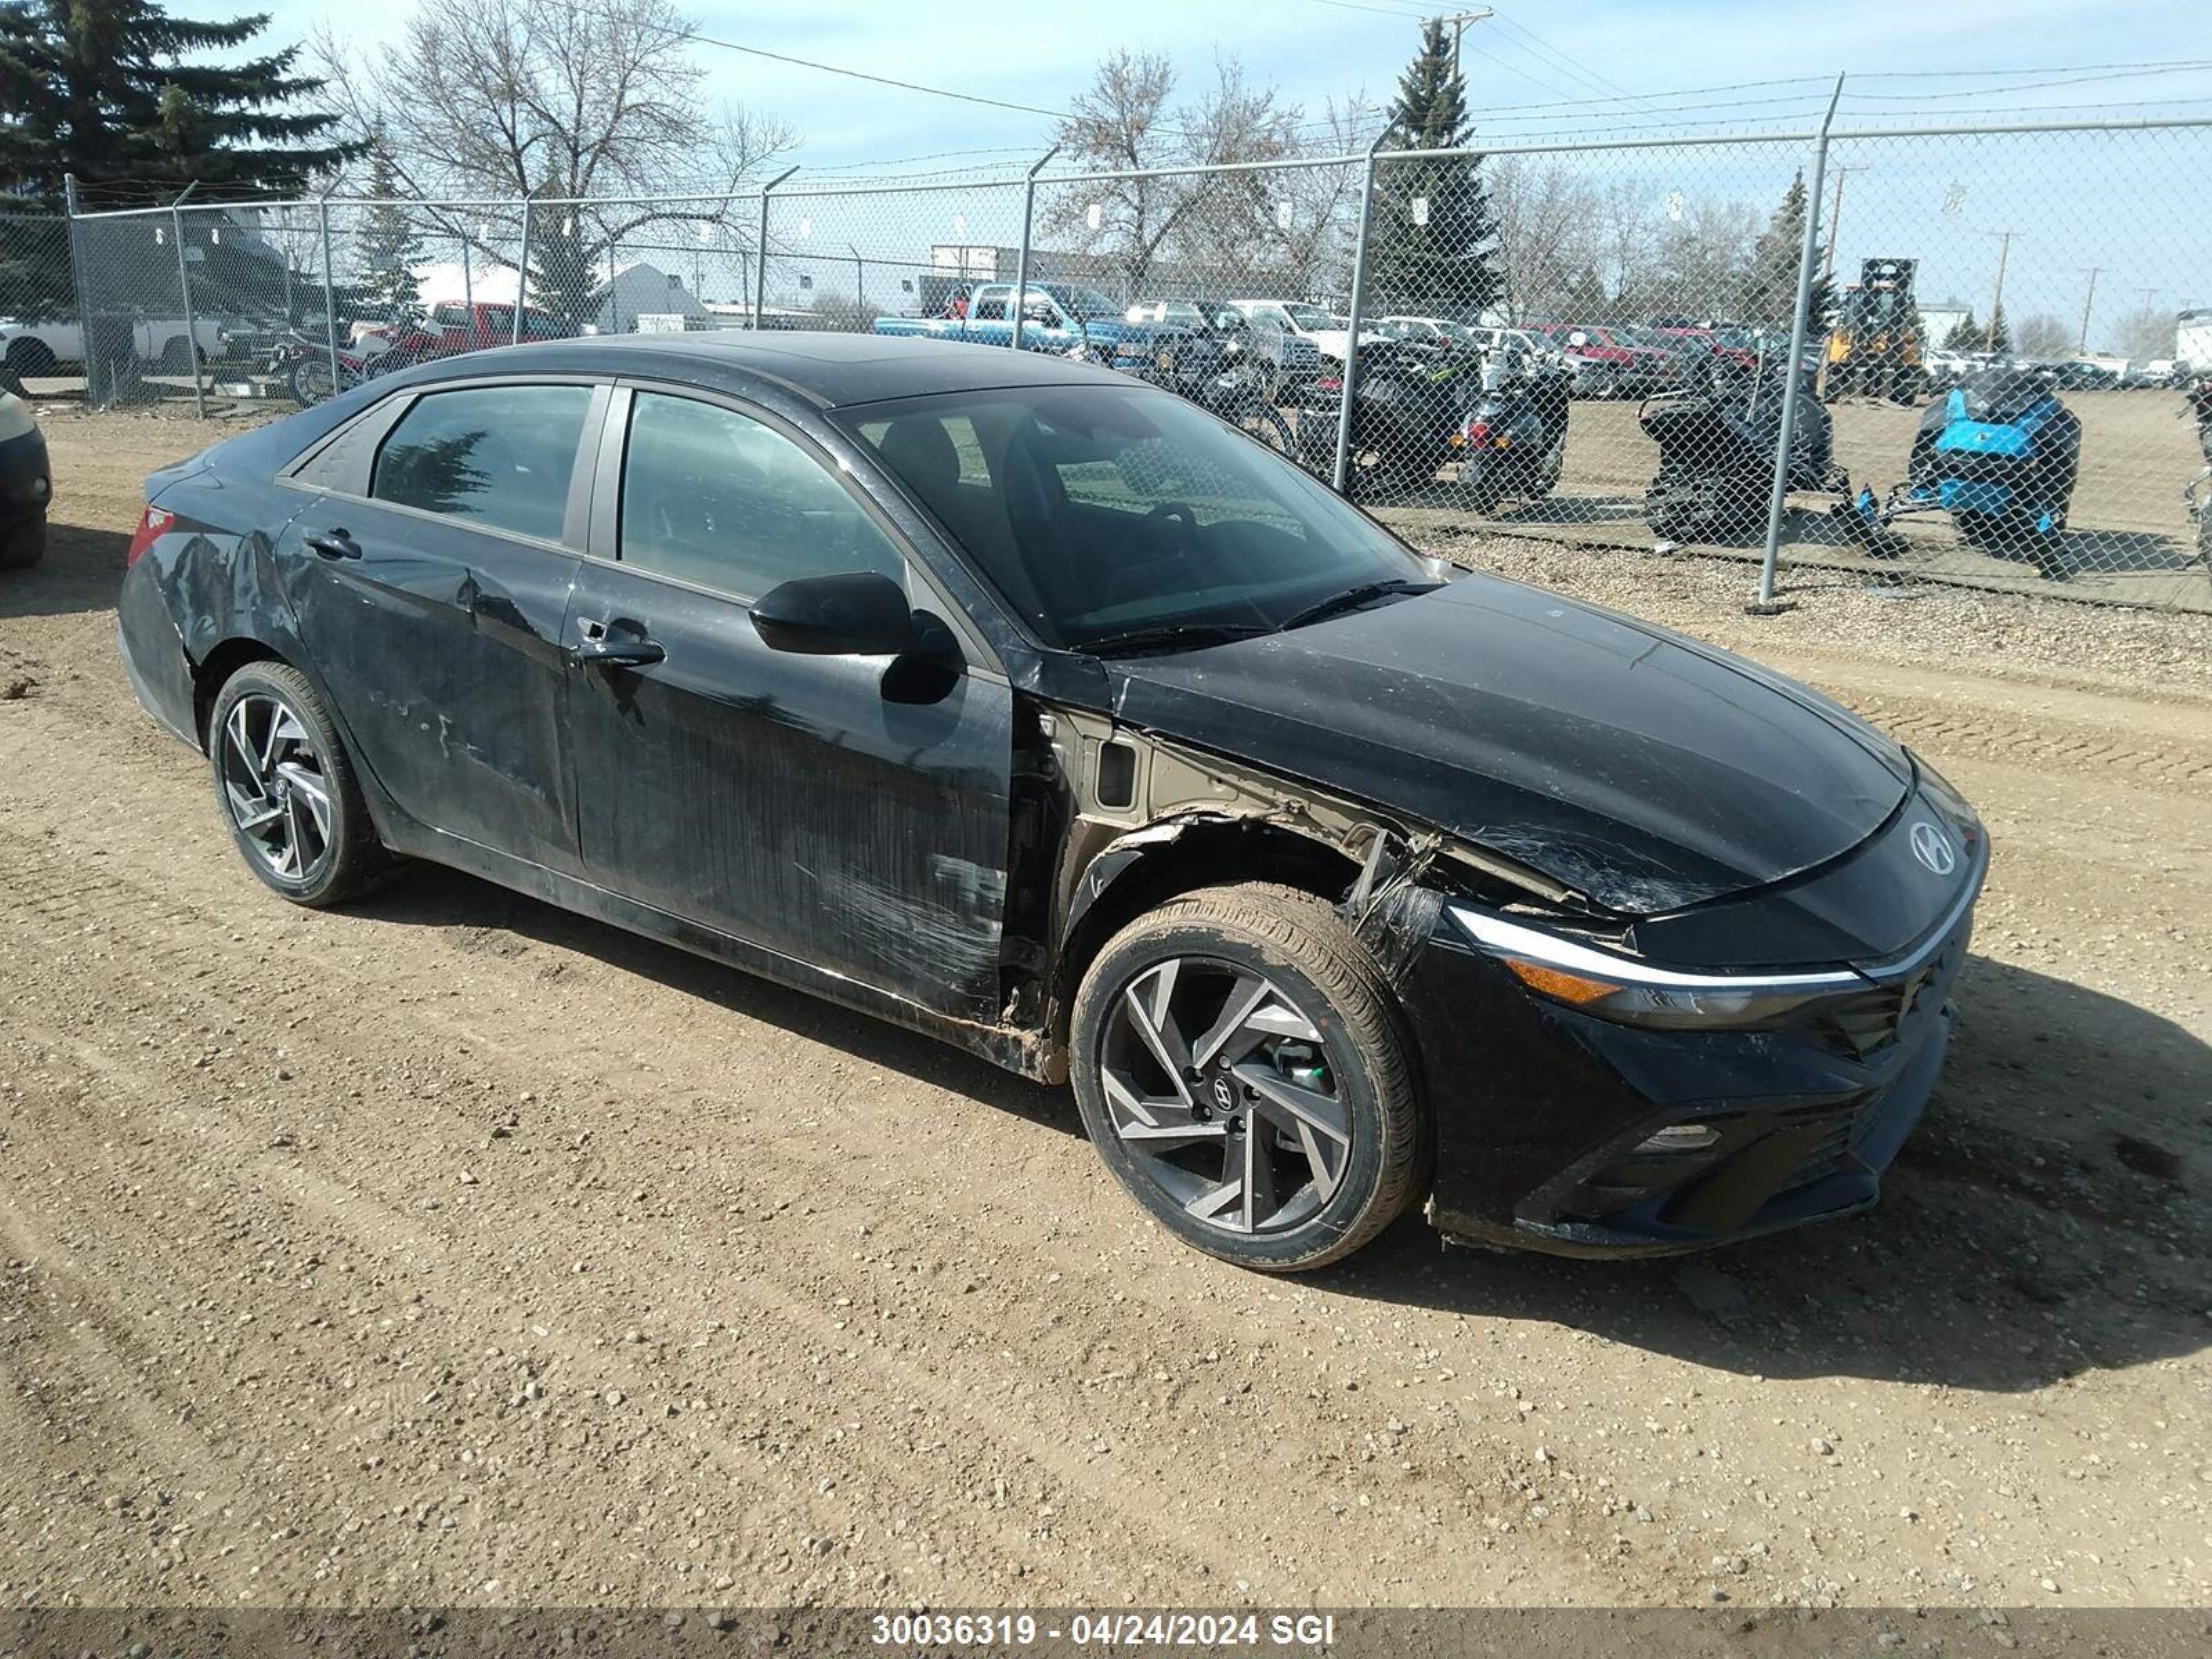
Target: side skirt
1024,1052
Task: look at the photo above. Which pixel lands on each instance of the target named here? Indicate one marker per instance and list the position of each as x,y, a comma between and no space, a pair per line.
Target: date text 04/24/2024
1157,1629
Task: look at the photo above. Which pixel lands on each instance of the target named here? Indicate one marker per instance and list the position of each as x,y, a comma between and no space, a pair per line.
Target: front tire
22,544
1243,1070
287,790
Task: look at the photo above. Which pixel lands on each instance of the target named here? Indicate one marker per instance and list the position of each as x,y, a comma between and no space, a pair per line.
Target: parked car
1593,371
1328,334
32,351
26,485
472,325
1336,880
1059,318
1195,340
1709,341
1643,368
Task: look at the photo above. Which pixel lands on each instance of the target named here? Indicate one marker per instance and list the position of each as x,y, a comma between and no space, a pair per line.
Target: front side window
501,456
1097,512
1309,317
718,499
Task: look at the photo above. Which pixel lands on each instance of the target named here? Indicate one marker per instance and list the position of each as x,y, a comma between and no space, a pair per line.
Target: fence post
84,330
521,274
330,289
760,257
1341,476
1765,604
185,293
1022,253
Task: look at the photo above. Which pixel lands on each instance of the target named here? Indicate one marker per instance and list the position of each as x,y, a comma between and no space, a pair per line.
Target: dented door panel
787,800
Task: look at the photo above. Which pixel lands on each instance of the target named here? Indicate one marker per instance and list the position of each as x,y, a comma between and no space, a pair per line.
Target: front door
431,585
806,804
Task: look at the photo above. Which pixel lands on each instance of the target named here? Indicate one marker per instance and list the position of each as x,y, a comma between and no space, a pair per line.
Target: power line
879,80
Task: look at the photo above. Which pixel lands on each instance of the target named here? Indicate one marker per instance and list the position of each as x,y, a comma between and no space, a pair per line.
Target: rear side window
497,455
713,497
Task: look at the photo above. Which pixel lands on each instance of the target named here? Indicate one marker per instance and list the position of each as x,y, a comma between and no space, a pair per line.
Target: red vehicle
1628,370
1722,344
473,325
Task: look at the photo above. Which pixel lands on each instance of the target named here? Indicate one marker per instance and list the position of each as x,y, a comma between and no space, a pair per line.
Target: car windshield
1309,317
1101,512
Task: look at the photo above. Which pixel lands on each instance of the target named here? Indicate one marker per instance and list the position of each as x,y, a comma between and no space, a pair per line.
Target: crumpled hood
1642,768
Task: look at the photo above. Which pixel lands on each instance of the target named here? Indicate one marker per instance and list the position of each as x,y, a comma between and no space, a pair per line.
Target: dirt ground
451,1251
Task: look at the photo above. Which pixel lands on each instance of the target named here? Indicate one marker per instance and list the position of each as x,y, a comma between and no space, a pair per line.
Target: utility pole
1835,219
1459,21
2082,346
1996,302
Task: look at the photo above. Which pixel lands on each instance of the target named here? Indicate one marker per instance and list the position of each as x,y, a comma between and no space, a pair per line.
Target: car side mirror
862,613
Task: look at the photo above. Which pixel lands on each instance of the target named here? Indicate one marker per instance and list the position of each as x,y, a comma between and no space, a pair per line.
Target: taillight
152,524
1329,383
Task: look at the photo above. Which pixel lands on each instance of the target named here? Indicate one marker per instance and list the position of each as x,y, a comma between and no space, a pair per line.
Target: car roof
829,370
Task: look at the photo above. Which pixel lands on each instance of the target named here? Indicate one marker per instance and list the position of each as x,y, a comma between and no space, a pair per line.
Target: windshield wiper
1352,597
1171,637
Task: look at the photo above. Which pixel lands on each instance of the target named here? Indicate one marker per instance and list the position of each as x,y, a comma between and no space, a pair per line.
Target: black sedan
1035,709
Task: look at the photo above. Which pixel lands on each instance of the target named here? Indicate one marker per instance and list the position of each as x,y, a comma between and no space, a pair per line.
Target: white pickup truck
29,351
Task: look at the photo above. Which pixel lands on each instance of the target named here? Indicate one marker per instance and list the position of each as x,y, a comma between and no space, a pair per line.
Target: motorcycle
2000,453
1514,441
2198,391
1717,438
303,361
1406,412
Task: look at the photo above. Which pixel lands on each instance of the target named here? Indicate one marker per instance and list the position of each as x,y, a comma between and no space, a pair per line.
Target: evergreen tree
1998,337
1432,246
390,249
566,265
1970,336
118,92
1770,286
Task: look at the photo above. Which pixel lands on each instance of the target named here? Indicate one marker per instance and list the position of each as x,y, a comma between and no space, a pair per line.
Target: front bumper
1545,1114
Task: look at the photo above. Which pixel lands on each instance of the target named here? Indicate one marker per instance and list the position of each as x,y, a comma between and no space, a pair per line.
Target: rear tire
288,789
1292,1132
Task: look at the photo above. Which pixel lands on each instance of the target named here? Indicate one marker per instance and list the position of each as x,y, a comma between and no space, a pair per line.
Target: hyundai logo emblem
1933,848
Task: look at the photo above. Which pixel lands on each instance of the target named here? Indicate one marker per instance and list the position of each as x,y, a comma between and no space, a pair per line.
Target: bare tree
1704,258
507,98
1547,218
2147,332
1125,121
2043,336
1624,236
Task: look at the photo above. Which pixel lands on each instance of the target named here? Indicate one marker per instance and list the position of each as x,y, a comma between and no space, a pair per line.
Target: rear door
430,580
825,808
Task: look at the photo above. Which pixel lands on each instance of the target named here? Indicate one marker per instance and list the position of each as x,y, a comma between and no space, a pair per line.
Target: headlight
1638,993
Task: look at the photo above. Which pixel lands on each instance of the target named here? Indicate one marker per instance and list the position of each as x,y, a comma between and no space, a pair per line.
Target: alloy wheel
275,786
1218,1085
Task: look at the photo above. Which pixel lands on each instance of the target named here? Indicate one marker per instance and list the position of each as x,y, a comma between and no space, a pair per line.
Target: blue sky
2076,203
1042,53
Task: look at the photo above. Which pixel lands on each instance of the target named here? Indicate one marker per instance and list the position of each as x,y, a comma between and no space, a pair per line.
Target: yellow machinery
1875,349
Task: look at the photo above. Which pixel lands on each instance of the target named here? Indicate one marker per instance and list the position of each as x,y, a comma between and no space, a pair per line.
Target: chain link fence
1588,341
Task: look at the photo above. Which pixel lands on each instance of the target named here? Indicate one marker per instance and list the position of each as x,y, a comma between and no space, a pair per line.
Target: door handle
625,650
334,545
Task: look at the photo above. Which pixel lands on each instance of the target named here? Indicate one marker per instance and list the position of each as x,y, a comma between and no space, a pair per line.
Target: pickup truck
1056,317
29,351
1329,334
